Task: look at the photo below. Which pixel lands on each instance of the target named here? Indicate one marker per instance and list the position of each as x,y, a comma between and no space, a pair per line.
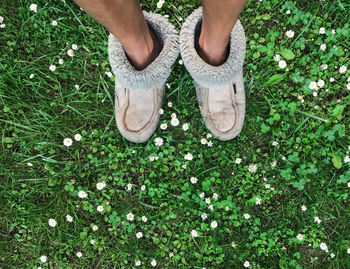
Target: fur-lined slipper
219,89
139,93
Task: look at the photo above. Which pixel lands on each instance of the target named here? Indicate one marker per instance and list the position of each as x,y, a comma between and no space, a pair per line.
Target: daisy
215,196
331,79
211,207
300,236
233,244
33,7
52,67
288,12
290,34
74,47
303,208
181,62
252,168
214,224
109,74
332,255
323,246
3,25
246,264
274,143
160,4
130,216
163,126
184,166
70,53
43,258
174,122
94,228
129,186
342,69
161,111
100,208
346,159
209,135
267,186
173,115
257,201
138,263
349,184
320,83
323,47
144,218
322,31
52,222
194,233
282,64
152,158
31,76
54,23
194,180
29,164
79,254
317,219
203,141
60,61
333,32
82,194
277,57
188,156
246,216
202,195
324,66
207,200
168,85
1,19
227,208
348,251
210,144
170,104
77,137
312,85
143,187
204,216
185,127
348,86
69,218
238,160
100,185
139,235
158,141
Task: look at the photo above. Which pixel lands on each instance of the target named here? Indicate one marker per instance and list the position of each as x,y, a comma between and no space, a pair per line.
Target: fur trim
204,74
157,72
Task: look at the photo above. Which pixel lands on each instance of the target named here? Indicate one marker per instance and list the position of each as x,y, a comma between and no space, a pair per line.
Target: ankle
213,50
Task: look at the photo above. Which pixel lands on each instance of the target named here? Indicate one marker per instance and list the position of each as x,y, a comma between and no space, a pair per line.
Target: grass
41,177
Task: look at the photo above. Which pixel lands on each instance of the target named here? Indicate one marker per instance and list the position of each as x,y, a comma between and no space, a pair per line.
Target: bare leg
219,18
125,20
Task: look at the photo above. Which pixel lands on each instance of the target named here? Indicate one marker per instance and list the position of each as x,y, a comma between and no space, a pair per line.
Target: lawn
277,196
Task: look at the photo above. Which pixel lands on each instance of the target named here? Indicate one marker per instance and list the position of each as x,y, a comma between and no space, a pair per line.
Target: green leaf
336,161
274,80
287,53
266,17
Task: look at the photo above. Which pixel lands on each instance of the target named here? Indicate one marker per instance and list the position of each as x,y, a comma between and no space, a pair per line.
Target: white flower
143,187
74,47
202,195
194,180
129,186
274,143
188,156
70,53
161,111
204,216
92,242
60,61
31,76
333,32
77,137
348,86
160,4
322,31
303,208
163,126
76,86
203,141
288,12
144,218
185,127
209,136
323,246
100,185
258,201
300,236
3,25
211,207
174,122
82,194
170,104
33,7
342,69
54,23
317,219
130,216
282,64
210,144
29,164
168,85
52,67
94,227
139,235
100,208
43,258
109,74
238,160
153,263
52,222
346,159
314,94
332,255
290,34
246,264
331,79
252,168
67,142
246,216
215,196
349,184
79,254
158,141
184,166
267,186
313,85
214,224
207,200
348,251
277,57
181,62
1,19
320,83
227,208
194,233
324,66
323,46
138,263
69,218
173,115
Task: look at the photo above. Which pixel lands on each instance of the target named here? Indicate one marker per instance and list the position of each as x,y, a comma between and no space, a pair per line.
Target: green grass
313,142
